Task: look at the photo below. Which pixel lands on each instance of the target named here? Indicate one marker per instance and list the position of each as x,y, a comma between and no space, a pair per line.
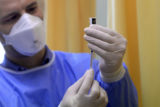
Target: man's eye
12,19
31,10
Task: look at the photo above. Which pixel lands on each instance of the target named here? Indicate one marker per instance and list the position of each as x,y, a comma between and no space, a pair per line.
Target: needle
91,60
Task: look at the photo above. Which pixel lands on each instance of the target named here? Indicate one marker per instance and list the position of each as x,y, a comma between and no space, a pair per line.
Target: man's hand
86,92
109,45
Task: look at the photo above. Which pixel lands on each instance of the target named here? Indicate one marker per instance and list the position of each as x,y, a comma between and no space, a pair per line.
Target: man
33,76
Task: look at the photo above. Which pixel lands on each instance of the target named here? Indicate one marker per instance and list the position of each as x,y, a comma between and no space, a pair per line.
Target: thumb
75,87
87,82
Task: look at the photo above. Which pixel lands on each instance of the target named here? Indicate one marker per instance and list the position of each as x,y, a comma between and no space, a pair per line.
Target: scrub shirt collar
8,64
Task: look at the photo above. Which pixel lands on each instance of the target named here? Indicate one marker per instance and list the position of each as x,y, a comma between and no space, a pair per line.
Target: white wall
101,12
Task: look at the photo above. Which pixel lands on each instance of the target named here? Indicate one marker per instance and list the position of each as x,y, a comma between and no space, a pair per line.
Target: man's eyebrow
32,4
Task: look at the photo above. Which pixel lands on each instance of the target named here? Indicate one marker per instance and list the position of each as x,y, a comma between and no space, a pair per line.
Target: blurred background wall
148,15
66,21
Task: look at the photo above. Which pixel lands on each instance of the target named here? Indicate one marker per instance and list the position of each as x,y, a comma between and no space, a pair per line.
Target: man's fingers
104,45
104,29
95,90
100,35
75,87
98,50
103,99
104,54
87,82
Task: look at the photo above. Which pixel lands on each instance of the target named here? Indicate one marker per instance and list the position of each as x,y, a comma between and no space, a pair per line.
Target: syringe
92,21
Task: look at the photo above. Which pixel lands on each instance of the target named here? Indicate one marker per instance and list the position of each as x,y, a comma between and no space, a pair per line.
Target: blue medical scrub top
45,86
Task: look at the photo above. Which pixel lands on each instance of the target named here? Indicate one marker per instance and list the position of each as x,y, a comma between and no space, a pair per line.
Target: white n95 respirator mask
27,36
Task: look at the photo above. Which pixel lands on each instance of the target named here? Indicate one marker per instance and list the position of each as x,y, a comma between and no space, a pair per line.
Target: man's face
12,10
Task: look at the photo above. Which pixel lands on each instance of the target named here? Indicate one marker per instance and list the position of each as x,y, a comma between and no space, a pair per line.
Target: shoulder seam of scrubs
30,70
